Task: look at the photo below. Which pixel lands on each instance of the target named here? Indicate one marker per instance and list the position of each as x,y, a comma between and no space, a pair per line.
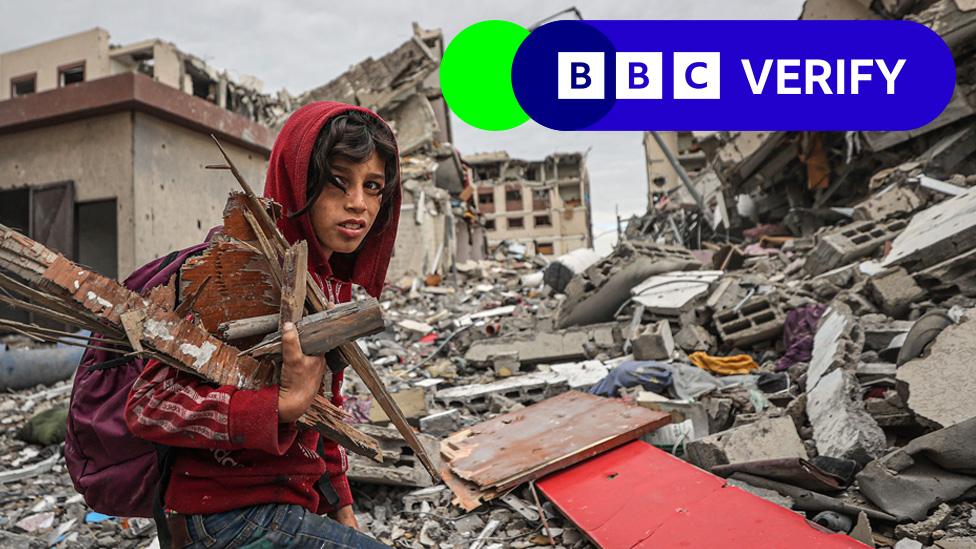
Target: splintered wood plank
294,272
232,280
322,332
513,448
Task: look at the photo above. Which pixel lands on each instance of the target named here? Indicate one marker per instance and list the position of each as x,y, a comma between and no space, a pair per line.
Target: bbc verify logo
697,75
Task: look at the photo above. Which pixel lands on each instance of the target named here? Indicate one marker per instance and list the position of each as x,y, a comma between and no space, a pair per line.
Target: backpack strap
164,458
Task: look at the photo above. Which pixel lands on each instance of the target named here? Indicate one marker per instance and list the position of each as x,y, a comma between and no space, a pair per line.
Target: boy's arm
170,407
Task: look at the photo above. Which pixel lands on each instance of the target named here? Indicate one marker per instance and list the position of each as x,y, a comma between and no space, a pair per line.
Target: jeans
273,525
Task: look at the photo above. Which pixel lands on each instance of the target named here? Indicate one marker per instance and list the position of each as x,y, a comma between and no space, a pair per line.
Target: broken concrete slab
441,423
595,295
544,347
927,471
841,426
670,294
506,363
655,343
836,344
879,331
524,389
940,386
400,465
765,439
581,375
937,233
692,338
891,201
894,290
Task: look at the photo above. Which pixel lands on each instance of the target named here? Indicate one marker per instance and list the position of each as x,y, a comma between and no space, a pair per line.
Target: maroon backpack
117,473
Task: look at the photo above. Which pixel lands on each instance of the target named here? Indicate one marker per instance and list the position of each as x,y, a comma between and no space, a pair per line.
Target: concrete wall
44,59
95,153
178,200
416,243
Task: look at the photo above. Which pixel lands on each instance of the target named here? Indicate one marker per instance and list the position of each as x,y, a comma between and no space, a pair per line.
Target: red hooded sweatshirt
231,451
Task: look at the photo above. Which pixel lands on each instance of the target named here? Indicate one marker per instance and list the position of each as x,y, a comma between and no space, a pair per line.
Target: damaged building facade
544,204
90,55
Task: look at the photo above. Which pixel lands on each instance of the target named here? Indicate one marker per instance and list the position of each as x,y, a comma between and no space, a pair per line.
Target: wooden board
513,448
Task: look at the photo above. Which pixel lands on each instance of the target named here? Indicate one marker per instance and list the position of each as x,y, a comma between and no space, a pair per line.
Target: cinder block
845,244
655,343
758,319
525,389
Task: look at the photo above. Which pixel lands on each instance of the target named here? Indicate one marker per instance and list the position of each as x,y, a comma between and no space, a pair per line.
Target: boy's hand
301,377
346,517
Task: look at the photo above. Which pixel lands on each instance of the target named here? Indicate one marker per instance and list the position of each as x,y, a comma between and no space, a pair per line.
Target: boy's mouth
352,228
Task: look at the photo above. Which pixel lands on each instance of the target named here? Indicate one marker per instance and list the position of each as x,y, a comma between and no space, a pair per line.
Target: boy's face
343,218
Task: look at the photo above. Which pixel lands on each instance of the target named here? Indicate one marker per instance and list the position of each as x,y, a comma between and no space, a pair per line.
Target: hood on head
286,184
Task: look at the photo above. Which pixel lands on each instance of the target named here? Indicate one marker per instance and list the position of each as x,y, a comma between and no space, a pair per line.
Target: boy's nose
356,199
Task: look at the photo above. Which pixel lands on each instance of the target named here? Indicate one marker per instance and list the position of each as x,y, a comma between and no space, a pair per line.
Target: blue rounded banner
733,75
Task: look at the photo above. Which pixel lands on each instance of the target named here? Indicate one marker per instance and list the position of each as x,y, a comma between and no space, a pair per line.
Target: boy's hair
354,135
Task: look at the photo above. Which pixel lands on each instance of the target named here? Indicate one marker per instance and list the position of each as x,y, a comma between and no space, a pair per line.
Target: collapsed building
543,205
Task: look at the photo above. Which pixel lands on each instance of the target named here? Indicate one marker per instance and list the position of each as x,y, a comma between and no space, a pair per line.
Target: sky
301,44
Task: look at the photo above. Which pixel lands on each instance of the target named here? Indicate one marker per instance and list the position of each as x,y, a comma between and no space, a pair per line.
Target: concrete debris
400,467
931,469
894,291
845,244
764,439
842,428
562,269
939,386
655,343
758,319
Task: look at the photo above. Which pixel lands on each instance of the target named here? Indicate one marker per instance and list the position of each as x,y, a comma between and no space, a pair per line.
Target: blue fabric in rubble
650,374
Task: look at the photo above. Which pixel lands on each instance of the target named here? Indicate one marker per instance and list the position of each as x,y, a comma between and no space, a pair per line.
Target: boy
241,472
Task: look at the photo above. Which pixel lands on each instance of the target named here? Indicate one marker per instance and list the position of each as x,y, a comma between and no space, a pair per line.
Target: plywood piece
240,284
639,496
513,448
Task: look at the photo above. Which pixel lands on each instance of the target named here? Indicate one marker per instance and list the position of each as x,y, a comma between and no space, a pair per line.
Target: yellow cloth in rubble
725,365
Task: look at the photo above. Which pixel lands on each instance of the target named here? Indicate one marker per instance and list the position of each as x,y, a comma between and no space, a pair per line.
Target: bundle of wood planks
222,320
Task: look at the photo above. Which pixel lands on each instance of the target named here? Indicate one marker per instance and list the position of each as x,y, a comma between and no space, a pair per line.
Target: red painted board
639,496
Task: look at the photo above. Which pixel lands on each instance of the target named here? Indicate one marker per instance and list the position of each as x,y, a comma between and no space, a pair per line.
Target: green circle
476,75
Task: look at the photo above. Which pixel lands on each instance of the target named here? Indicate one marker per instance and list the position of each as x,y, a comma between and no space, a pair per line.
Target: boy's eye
373,186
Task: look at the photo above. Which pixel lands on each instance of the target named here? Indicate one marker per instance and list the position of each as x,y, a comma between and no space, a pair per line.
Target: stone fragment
765,439
894,290
655,343
941,385
412,401
442,423
841,426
